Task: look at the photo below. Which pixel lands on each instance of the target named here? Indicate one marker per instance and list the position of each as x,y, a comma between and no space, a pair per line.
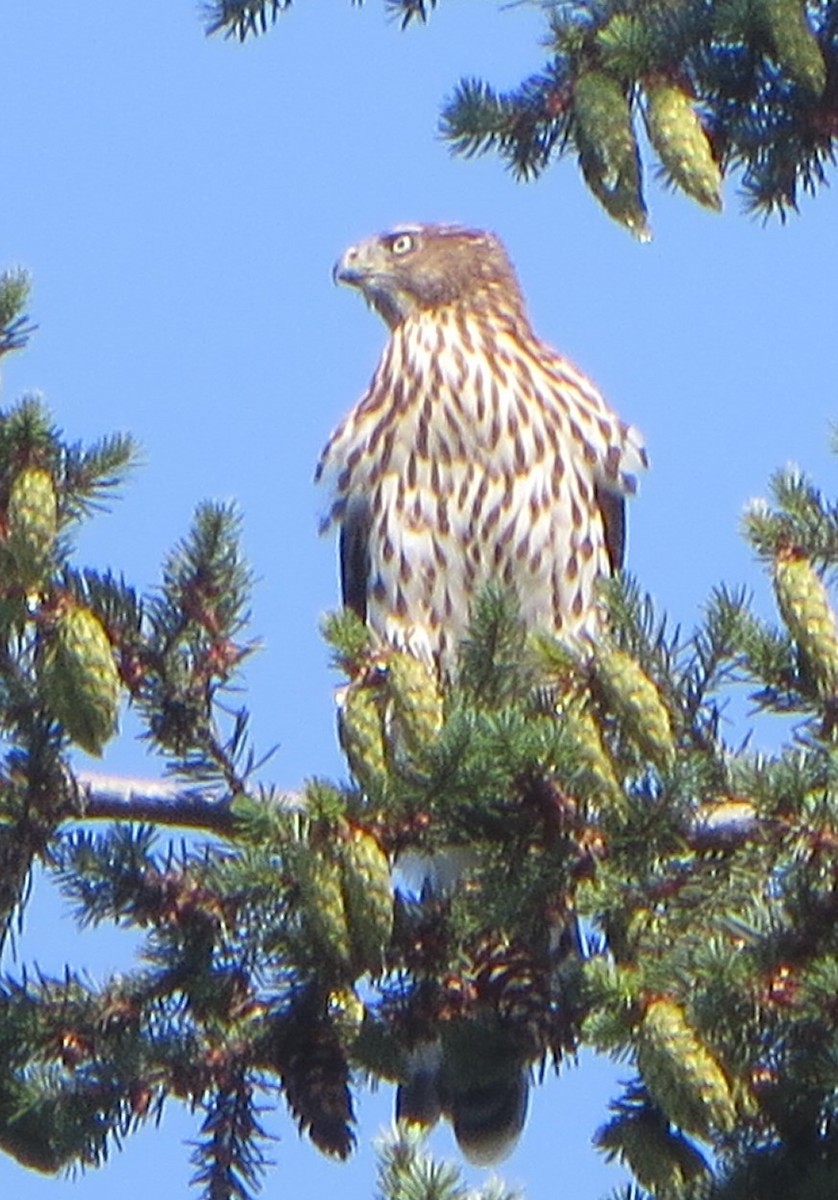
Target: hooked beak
347,269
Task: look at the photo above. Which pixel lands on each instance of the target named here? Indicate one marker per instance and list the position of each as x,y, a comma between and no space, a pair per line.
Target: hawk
477,453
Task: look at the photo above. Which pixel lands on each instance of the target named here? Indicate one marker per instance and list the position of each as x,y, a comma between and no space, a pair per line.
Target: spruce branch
164,802
722,88
419,922
494,665
90,475
409,11
798,517
15,326
524,127
191,656
229,1158
241,18
407,1172
712,658
640,1136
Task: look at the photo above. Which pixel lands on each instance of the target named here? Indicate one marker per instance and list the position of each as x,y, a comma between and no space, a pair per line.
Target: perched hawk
476,454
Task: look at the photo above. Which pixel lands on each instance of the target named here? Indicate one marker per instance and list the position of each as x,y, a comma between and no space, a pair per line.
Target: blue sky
180,202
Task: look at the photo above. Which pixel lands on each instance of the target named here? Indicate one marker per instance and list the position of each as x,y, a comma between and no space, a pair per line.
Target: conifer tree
719,87
627,878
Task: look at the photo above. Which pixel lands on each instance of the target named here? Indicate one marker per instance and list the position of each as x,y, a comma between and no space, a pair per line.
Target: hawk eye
401,244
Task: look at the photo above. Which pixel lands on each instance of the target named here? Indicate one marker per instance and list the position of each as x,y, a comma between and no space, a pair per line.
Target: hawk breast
477,455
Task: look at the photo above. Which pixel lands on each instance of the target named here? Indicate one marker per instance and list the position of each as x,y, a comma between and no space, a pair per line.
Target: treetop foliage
555,850
718,87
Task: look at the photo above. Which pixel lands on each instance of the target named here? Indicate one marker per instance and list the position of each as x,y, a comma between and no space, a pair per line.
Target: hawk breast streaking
477,453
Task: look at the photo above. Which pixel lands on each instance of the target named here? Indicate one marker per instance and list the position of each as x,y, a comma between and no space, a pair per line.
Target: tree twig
159,801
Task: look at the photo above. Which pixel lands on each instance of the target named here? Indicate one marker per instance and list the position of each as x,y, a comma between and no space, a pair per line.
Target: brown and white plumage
476,454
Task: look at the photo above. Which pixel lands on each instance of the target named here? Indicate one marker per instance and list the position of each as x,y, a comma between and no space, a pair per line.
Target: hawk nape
477,453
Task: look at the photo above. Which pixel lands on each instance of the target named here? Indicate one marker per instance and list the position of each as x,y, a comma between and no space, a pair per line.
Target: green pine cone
416,698
661,1160
367,896
635,699
361,735
608,152
681,1074
79,679
32,516
805,608
795,47
320,881
580,723
681,143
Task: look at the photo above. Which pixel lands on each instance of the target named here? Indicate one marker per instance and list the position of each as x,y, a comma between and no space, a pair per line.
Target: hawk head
417,268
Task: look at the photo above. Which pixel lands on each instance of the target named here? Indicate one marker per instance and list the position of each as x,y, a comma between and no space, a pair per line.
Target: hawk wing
612,506
613,450
355,556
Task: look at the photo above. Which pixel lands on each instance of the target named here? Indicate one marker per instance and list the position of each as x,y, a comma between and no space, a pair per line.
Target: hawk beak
347,268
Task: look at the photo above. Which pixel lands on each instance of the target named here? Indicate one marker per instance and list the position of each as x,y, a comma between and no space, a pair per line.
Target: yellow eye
401,244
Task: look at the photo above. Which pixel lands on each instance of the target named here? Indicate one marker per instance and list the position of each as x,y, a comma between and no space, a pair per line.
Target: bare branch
159,801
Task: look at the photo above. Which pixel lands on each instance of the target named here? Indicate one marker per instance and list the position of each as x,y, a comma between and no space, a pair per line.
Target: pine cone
79,679
320,881
416,700
368,897
681,143
805,608
315,1076
681,1074
794,45
581,726
32,516
635,699
361,734
608,153
662,1160
30,1130
509,980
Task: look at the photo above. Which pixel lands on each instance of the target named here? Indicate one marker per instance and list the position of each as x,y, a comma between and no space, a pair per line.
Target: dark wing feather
355,557
613,509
